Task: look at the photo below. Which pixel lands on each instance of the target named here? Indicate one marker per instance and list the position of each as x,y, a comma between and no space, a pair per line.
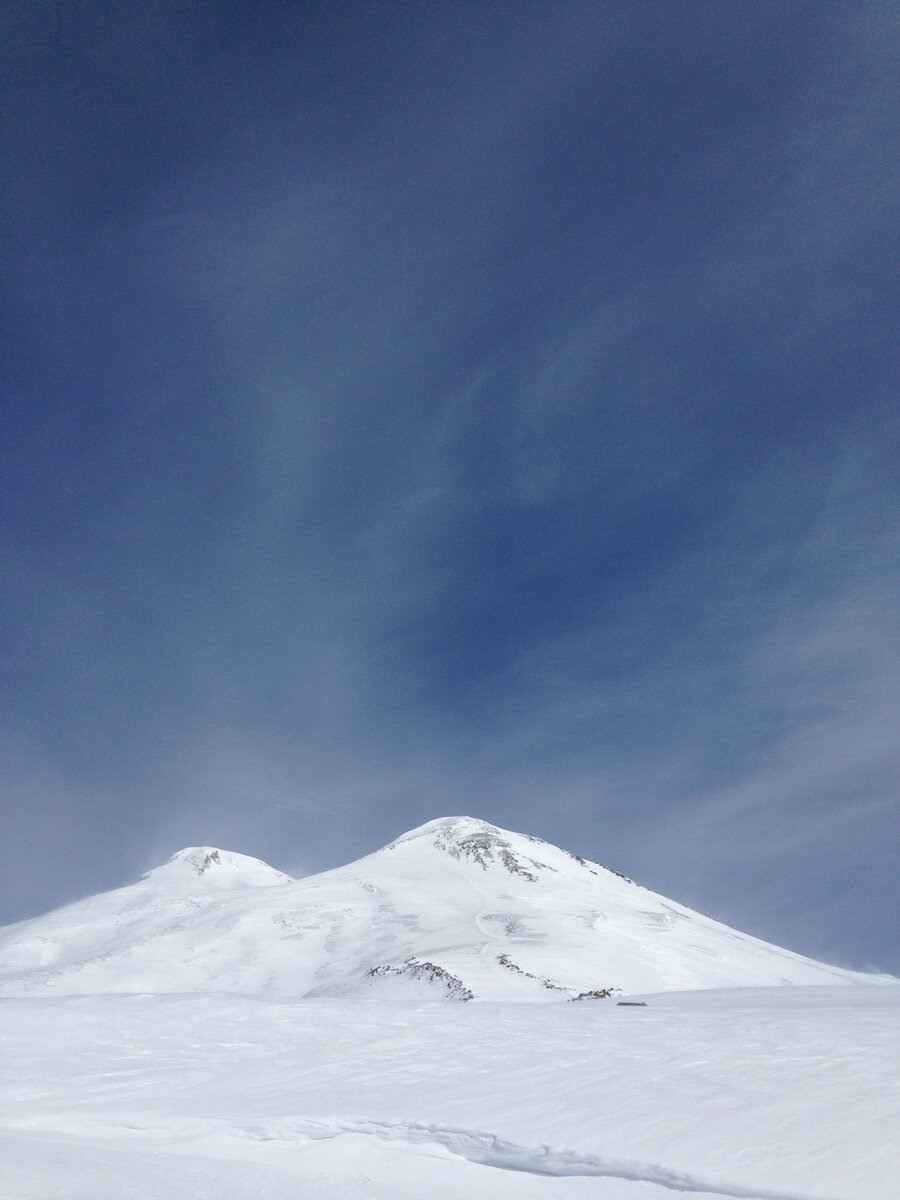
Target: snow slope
456,909
761,1094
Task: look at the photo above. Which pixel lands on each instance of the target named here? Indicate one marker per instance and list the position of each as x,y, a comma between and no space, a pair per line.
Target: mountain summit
466,838
455,909
217,868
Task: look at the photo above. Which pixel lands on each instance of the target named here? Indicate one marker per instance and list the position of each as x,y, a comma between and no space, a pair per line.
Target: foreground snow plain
776,1093
219,1031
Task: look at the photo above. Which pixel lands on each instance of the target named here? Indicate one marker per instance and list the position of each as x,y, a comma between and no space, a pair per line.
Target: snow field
763,1094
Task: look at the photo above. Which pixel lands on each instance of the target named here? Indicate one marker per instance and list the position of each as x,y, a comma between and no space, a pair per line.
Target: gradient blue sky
413,409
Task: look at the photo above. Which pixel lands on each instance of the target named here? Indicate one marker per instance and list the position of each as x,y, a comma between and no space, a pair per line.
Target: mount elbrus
456,909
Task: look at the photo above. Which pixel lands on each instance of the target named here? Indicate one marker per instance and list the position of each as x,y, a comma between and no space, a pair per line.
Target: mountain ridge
456,908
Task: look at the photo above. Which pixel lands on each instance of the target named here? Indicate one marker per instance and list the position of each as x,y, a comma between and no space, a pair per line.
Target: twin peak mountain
457,909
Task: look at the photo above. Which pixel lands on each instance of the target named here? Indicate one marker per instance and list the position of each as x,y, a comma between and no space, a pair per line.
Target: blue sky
413,409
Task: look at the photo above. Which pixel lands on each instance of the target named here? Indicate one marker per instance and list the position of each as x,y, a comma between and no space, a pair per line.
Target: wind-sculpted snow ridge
488,1150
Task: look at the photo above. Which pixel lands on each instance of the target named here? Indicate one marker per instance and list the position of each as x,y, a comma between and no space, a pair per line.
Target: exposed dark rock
505,961
487,848
431,972
590,866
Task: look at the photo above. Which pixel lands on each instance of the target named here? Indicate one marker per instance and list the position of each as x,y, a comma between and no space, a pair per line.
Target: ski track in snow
488,1150
480,924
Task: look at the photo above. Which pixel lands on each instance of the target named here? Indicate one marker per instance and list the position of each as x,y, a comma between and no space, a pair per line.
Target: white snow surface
782,1093
200,1035
457,909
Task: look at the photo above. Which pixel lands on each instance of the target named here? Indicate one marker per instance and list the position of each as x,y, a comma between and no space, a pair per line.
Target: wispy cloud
504,425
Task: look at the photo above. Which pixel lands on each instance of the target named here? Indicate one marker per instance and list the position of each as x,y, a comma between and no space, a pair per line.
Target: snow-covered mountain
455,909
295,1088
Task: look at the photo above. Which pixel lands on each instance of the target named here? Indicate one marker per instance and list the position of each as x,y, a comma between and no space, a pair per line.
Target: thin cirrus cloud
461,412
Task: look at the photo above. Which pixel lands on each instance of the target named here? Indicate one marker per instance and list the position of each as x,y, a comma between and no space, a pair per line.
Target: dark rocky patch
431,972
